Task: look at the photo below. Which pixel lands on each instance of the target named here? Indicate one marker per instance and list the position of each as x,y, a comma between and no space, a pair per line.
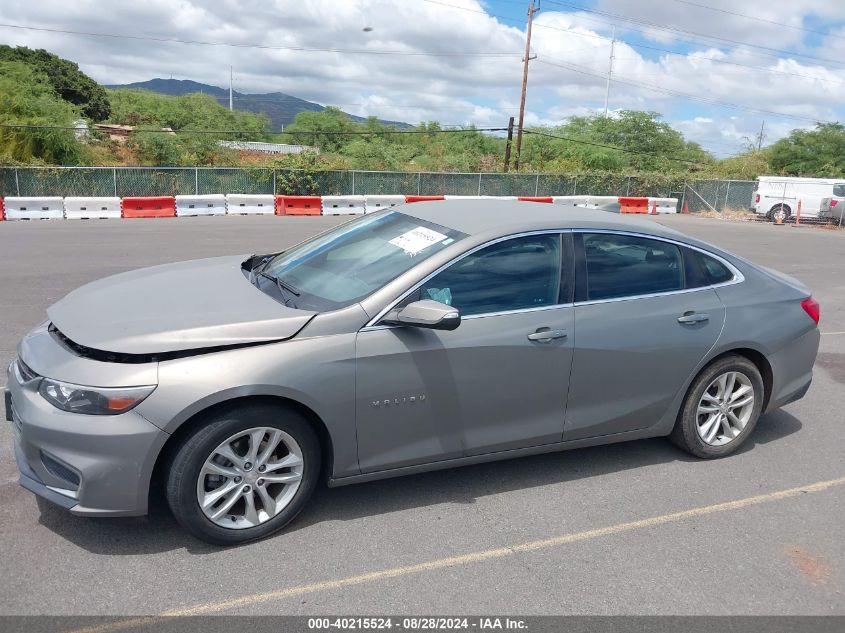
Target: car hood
174,307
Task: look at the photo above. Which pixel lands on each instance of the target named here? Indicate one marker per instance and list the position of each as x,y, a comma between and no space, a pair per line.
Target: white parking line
463,559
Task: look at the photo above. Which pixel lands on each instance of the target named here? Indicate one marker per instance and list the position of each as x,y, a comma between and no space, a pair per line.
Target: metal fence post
727,193
196,181
628,187
479,184
574,184
17,183
419,183
274,182
114,179
353,182
537,185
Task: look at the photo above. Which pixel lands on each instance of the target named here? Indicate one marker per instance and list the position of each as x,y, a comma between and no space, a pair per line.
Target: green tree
190,112
819,152
199,120
27,99
70,83
156,148
645,144
327,130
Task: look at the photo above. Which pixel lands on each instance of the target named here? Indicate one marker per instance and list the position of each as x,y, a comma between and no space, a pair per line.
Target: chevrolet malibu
428,336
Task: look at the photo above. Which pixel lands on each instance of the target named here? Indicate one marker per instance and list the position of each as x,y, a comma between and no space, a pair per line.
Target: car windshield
342,266
839,190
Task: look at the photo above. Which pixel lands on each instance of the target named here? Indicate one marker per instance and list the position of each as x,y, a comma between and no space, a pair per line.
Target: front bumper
90,465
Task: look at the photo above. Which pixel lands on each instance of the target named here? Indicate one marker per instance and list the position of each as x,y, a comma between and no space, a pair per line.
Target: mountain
281,108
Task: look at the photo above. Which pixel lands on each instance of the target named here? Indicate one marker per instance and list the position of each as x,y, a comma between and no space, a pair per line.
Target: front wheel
244,474
721,408
781,210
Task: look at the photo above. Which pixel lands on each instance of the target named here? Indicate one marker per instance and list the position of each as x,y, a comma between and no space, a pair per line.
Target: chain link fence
719,195
158,181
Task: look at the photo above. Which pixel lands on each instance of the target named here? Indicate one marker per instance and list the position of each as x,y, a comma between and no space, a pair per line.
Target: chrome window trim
372,323
738,277
556,306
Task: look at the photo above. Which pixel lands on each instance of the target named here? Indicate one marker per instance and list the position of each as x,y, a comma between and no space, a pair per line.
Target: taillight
811,307
757,198
833,203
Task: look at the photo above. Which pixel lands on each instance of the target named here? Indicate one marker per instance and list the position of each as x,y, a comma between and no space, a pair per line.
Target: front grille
57,469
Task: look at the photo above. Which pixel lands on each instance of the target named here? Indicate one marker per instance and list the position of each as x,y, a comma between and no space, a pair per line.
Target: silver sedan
428,336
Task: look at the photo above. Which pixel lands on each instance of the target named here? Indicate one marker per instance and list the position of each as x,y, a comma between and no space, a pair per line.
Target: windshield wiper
286,286
282,286
254,262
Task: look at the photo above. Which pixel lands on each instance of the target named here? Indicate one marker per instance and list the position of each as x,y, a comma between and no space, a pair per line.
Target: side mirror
427,314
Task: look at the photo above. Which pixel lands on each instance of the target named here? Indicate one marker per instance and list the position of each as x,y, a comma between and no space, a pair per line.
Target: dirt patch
734,215
812,568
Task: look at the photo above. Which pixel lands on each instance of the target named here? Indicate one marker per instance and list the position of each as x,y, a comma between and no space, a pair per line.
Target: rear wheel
721,408
245,474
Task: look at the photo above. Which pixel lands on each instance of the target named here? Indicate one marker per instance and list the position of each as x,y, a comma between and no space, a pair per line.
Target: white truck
776,194
834,207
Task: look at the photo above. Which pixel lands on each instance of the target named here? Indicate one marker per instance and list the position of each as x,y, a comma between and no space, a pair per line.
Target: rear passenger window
625,266
703,270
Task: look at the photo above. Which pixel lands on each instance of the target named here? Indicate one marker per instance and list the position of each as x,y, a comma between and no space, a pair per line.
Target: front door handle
545,335
693,317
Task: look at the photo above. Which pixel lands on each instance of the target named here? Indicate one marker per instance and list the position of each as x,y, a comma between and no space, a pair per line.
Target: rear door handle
693,317
545,335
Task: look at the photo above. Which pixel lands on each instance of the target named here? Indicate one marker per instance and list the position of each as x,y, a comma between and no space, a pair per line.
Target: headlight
92,400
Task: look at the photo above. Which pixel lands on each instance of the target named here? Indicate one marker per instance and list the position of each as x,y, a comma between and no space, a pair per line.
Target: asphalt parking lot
636,528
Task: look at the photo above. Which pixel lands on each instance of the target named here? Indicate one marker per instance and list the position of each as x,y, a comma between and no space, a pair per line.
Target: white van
776,193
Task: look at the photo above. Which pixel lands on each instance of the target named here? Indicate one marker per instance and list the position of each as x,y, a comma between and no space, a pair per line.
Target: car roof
505,217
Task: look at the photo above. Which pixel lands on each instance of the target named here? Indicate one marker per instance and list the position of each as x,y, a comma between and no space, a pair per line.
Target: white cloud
567,78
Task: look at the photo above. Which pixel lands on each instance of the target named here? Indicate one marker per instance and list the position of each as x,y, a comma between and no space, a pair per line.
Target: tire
693,428
199,456
787,212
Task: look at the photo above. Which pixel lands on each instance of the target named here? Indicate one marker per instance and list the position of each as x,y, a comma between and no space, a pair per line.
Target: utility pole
525,60
609,68
230,88
760,136
508,144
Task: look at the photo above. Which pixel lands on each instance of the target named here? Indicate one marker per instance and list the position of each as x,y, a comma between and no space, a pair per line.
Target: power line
614,147
380,132
751,17
318,132
650,48
257,46
684,95
771,71
654,25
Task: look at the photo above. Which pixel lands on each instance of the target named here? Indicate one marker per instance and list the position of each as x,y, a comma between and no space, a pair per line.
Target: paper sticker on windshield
417,239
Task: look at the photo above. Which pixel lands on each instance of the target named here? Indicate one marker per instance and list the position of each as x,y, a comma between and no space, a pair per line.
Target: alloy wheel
725,408
249,478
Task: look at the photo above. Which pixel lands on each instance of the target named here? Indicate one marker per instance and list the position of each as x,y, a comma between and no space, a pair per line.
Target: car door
499,381
641,332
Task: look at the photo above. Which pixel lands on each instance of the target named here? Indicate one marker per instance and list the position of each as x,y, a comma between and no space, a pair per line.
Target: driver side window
519,273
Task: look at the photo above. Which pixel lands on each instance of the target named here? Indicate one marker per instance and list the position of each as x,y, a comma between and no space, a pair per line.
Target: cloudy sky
713,68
